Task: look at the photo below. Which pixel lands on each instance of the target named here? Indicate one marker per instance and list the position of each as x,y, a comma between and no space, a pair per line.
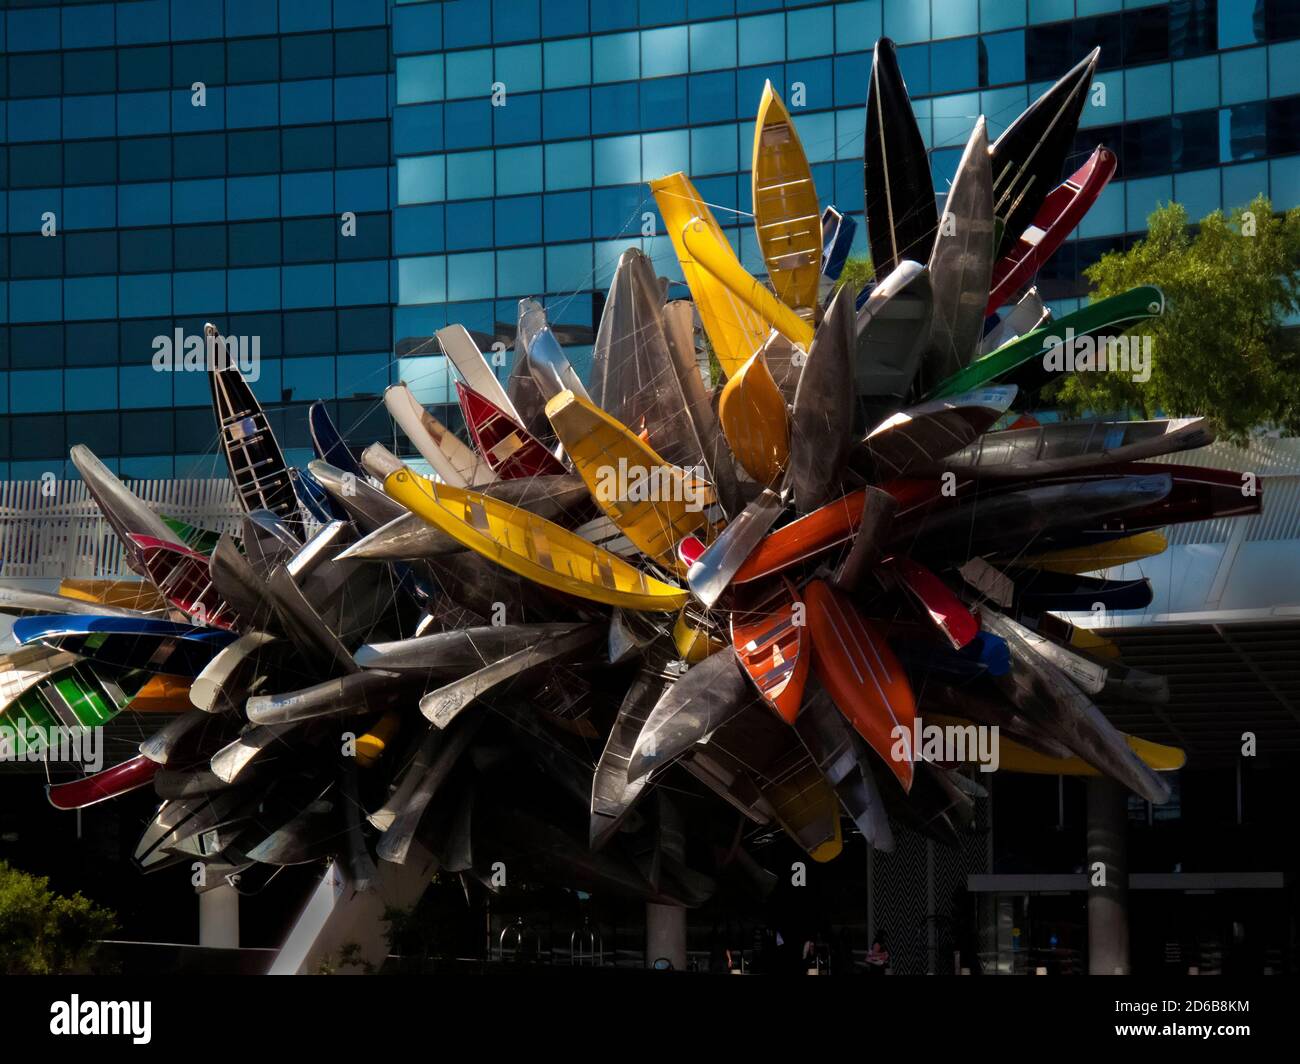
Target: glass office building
495,149
171,162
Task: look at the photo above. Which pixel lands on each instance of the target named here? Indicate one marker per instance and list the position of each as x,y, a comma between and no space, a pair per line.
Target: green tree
856,273
43,933
1220,349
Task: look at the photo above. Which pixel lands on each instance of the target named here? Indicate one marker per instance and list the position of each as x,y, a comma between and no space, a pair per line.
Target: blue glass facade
494,149
192,161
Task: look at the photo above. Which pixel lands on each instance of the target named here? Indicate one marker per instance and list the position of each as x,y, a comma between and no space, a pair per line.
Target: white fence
54,530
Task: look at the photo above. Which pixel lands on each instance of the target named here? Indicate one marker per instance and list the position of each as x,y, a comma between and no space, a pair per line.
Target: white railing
54,530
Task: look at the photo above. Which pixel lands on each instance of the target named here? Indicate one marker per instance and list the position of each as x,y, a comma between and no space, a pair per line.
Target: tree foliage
43,933
1219,350
857,272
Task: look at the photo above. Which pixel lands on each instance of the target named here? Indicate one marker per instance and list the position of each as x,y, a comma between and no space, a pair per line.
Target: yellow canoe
787,217
693,638
531,546
1090,558
809,811
733,328
1017,758
370,747
713,254
754,419
126,594
655,503
162,694
1013,757
1097,645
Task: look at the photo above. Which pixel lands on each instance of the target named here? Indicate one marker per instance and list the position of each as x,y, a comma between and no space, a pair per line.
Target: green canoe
203,540
1022,361
81,695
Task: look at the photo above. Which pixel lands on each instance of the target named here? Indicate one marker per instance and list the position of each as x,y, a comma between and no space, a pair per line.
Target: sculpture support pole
665,934
219,917
1108,901
338,917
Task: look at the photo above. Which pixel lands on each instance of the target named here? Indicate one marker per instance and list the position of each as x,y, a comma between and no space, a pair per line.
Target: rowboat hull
1044,695
613,792
1064,447
451,459
445,704
1026,316
844,760
470,362
127,642
328,442
893,335
713,570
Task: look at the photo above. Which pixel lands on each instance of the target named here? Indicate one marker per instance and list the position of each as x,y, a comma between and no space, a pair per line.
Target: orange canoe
861,674
826,527
774,649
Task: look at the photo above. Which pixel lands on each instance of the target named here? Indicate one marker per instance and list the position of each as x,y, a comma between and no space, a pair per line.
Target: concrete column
219,917
1108,903
665,934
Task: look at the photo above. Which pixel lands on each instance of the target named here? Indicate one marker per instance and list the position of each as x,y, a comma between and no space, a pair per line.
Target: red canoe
938,600
1056,218
826,527
508,447
184,578
774,649
861,674
138,772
